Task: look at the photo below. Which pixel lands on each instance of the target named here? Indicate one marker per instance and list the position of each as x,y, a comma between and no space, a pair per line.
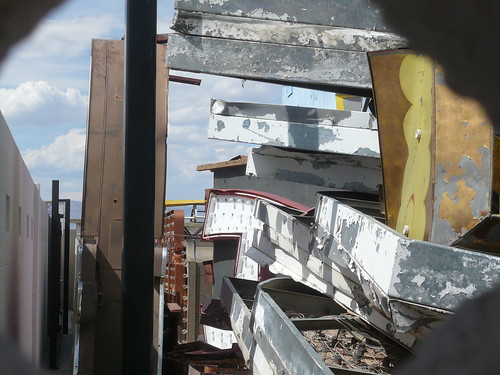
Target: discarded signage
338,134
354,173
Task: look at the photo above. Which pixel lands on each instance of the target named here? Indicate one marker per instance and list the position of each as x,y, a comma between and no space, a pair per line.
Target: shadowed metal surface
345,132
333,70
286,33
354,173
399,285
360,14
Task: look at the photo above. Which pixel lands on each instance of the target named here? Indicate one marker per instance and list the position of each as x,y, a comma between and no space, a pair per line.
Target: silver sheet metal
284,33
344,132
359,14
402,286
353,173
333,70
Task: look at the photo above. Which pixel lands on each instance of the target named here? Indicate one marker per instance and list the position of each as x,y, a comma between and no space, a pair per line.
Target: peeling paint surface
342,71
350,138
293,114
286,33
436,150
399,285
360,14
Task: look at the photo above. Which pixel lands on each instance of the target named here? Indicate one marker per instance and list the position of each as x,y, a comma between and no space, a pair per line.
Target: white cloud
65,154
67,38
40,104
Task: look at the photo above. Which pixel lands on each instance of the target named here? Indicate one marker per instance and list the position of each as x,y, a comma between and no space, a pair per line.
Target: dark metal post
54,274
139,186
67,213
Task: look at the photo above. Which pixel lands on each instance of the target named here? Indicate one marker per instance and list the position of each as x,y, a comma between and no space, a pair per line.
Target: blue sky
44,94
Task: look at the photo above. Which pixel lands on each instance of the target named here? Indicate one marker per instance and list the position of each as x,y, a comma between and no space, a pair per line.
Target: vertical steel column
67,213
139,186
54,274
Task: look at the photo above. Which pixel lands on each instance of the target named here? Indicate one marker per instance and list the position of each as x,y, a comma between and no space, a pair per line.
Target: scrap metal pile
408,228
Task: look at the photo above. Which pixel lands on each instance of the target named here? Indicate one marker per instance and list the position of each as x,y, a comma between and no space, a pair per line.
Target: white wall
23,251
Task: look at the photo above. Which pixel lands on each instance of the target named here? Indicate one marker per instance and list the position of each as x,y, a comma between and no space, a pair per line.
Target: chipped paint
350,138
436,150
339,70
365,266
286,33
359,14
293,114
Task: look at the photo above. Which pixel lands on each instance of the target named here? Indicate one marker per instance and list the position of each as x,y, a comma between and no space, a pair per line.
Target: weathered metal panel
233,293
230,215
294,114
334,70
464,163
360,14
352,173
285,33
436,149
268,130
284,347
102,215
421,272
399,285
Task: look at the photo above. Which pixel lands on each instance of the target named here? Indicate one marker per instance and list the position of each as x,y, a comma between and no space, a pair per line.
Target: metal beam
54,276
286,33
67,211
333,70
139,186
342,133
359,14
287,113
354,173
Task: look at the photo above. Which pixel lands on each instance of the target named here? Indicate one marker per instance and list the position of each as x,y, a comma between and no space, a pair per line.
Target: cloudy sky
44,94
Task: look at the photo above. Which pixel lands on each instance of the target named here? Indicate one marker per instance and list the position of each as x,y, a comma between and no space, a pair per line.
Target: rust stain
456,208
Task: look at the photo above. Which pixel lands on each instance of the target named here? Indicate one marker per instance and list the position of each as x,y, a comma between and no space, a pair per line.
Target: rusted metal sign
436,149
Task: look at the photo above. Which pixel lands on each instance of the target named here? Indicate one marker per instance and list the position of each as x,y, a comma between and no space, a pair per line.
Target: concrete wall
23,251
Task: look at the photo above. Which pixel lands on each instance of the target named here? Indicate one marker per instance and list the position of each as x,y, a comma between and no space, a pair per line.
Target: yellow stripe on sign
416,77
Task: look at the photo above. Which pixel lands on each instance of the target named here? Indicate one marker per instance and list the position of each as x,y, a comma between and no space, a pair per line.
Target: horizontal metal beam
360,14
286,33
325,138
334,70
287,113
354,173
185,80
